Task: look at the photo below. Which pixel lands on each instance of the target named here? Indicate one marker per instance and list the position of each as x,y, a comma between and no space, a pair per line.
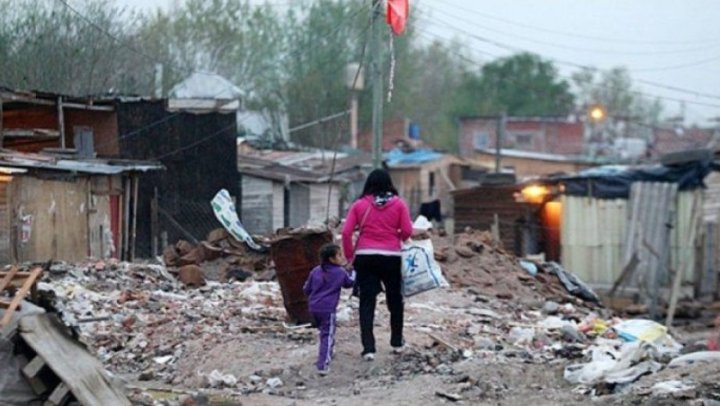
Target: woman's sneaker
369,356
398,350
323,372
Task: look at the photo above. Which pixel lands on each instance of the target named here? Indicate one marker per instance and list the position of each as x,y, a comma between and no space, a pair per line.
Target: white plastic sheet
224,209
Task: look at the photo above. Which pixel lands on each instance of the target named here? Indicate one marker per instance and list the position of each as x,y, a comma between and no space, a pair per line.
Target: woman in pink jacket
383,221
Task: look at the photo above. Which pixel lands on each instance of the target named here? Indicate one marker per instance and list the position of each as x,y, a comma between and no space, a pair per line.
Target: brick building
551,135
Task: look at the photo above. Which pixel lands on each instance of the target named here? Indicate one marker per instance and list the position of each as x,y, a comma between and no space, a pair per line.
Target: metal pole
500,137
377,86
353,119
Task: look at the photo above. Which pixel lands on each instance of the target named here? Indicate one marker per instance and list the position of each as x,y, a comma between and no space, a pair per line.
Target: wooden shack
55,208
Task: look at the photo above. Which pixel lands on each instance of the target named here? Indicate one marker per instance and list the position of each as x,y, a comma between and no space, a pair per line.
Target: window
524,140
481,140
84,142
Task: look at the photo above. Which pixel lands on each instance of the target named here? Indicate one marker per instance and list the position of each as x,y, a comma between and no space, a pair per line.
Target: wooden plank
61,122
33,367
682,268
31,371
627,272
19,296
81,372
58,396
7,278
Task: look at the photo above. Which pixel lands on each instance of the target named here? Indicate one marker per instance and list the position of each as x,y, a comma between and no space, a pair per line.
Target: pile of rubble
475,260
137,318
219,258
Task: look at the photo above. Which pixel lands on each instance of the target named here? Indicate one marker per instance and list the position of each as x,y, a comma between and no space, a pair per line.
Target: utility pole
499,138
377,86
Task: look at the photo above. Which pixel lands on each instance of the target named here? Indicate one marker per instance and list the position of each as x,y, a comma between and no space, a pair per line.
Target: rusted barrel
294,256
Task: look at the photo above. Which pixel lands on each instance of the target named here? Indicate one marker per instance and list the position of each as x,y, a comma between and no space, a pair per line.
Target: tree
520,85
84,59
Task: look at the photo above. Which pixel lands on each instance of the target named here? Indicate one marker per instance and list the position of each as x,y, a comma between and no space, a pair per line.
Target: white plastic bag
420,271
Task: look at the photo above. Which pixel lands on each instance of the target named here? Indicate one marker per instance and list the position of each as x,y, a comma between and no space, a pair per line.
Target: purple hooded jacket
323,287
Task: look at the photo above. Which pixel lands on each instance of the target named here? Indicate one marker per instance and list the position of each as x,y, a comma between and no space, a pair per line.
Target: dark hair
328,251
378,182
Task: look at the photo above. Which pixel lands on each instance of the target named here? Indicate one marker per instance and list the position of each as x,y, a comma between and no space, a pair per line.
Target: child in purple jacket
323,291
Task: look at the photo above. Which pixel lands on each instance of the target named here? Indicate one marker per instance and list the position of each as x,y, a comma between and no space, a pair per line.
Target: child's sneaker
398,350
369,356
323,372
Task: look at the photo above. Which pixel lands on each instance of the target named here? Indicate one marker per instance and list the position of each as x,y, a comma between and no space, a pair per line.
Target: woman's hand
419,234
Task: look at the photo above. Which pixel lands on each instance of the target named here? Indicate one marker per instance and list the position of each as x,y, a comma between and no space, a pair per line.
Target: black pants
371,271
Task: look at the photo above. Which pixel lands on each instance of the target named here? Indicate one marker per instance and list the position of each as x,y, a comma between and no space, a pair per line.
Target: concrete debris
220,257
274,383
498,335
216,379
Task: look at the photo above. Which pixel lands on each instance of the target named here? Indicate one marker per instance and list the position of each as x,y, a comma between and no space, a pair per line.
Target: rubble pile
137,318
475,260
219,258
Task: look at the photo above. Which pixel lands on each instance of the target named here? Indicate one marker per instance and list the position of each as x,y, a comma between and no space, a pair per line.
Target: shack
425,178
68,209
292,188
633,227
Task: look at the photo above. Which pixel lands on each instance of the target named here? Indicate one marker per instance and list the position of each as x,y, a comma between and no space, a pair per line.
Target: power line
567,63
636,92
140,130
574,34
561,61
572,48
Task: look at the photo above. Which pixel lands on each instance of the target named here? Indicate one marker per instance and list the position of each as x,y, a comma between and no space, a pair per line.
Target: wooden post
135,182
2,134
61,122
154,224
496,229
126,219
686,263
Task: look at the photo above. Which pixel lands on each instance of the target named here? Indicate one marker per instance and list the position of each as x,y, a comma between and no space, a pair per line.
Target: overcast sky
673,43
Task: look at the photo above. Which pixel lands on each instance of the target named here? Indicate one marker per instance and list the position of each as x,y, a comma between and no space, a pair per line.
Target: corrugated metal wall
651,213
593,234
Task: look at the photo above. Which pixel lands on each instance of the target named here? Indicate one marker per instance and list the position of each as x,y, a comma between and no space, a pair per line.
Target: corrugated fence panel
592,236
651,210
594,232
682,248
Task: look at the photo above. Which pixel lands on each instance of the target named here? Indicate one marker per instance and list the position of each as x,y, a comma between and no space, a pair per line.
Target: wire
561,46
561,61
234,125
513,49
574,34
140,130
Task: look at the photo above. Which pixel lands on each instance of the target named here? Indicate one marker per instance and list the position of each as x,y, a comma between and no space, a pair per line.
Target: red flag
397,15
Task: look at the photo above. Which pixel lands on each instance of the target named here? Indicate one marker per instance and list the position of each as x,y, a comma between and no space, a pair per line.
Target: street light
597,113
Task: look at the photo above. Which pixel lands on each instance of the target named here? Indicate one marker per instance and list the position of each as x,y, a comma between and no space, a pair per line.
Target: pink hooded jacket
385,228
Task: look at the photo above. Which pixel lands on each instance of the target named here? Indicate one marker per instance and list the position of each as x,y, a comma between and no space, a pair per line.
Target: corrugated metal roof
89,166
397,157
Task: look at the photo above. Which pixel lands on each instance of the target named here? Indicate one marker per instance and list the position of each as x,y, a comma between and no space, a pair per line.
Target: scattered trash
695,358
521,336
216,379
530,267
612,365
449,396
274,383
670,387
